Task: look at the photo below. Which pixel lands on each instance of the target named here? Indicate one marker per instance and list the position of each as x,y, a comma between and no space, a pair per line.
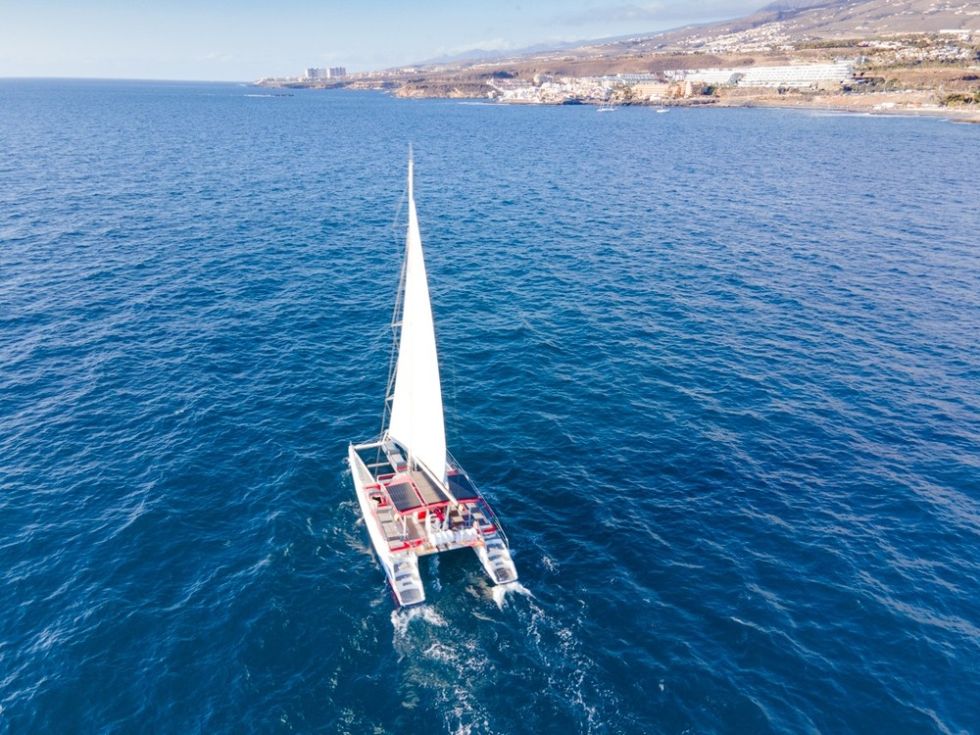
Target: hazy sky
224,40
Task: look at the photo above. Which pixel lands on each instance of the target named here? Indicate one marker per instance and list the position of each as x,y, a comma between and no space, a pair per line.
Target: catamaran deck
415,512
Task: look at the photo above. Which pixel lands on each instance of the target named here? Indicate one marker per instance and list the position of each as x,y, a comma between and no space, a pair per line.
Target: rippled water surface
718,371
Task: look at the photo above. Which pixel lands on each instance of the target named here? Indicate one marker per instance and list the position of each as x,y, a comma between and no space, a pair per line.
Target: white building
800,76
631,78
963,34
705,76
793,75
333,72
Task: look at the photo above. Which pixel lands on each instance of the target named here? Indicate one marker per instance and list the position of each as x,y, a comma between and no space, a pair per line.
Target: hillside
789,23
902,55
775,27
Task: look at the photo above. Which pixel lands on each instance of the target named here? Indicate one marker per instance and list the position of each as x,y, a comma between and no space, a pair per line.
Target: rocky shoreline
901,103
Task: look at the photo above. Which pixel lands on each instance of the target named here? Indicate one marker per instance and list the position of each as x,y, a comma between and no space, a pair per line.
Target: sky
246,40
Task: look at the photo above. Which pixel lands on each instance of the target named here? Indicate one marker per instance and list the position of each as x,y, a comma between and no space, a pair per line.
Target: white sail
416,420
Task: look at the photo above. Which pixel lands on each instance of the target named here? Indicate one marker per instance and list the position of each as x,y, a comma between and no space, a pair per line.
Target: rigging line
454,412
395,328
398,213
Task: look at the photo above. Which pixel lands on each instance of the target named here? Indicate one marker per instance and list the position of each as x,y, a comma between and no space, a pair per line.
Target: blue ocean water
717,370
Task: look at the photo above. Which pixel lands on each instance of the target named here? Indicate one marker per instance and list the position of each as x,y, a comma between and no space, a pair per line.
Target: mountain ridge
772,26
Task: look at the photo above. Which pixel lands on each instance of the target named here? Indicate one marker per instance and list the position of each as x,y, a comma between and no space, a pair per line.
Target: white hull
401,568
495,558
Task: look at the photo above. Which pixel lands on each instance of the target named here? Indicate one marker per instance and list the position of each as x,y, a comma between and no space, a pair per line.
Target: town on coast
768,62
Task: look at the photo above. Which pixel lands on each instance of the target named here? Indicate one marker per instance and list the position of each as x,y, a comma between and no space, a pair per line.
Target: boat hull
401,568
496,560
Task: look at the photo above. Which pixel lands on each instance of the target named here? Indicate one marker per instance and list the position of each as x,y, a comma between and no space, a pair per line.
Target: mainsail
416,421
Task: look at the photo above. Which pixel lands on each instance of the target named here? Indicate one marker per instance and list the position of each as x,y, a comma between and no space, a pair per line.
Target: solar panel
430,492
403,496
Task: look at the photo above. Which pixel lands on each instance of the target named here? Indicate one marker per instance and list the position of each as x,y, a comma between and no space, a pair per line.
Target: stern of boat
402,567
496,560
406,583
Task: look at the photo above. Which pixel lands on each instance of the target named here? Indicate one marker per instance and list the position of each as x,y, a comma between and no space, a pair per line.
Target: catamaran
415,497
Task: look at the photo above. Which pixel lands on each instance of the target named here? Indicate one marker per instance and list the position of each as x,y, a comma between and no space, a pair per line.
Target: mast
416,420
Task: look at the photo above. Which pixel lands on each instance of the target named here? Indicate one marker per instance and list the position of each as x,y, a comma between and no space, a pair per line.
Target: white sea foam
402,618
441,652
443,665
555,634
433,576
499,592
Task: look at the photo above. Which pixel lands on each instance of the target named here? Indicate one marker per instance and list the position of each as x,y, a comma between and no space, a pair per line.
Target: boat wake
402,617
500,592
554,636
442,665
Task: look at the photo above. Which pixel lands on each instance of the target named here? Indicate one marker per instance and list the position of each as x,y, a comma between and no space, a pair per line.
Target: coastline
917,103
895,104
922,71
914,104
